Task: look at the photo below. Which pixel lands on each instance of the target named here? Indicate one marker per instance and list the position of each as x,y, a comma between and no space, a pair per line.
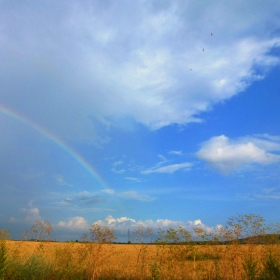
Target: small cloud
161,157
83,198
74,223
178,153
132,179
117,163
60,180
110,191
225,155
32,213
121,171
169,168
136,196
89,199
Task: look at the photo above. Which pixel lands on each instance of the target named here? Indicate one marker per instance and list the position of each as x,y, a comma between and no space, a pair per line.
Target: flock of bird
203,49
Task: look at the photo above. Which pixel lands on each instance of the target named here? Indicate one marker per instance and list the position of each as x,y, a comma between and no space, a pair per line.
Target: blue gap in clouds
254,111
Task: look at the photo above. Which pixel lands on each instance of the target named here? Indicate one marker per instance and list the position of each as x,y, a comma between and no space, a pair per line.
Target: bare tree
41,228
25,234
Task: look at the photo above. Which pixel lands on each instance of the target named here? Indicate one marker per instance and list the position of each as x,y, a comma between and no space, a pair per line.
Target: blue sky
129,113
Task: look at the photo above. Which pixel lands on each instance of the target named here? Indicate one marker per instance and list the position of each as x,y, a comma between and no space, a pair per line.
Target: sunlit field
245,250
48,260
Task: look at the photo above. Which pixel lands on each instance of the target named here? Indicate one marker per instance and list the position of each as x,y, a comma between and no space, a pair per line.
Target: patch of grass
3,258
271,268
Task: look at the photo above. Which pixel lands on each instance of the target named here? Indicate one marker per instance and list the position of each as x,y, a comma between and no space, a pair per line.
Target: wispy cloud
133,179
269,194
117,162
120,171
226,155
135,196
59,179
162,158
178,153
109,191
83,198
131,194
169,168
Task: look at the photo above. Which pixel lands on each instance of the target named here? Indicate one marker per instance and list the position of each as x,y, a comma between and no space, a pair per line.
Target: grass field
244,250
54,260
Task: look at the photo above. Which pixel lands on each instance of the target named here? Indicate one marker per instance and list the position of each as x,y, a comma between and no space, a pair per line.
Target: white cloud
109,191
120,171
94,62
136,196
122,224
168,168
162,158
133,179
74,223
226,155
32,213
175,153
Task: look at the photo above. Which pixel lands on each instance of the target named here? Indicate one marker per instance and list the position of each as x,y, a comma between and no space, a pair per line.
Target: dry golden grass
117,261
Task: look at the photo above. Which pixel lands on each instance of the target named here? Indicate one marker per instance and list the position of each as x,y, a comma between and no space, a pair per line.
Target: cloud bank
92,63
122,224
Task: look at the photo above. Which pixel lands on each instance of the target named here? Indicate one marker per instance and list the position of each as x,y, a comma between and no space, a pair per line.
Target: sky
138,113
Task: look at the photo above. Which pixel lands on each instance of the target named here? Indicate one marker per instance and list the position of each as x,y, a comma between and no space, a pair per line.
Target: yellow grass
117,261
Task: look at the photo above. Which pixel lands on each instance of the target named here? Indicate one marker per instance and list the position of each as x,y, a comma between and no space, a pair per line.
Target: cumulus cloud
92,62
168,168
226,155
74,223
122,224
32,213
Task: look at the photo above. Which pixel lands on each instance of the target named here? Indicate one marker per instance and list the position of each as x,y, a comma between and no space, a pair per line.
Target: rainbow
78,158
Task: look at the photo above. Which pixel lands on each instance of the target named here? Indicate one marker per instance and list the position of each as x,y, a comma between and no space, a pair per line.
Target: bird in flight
211,34
190,69
203,50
